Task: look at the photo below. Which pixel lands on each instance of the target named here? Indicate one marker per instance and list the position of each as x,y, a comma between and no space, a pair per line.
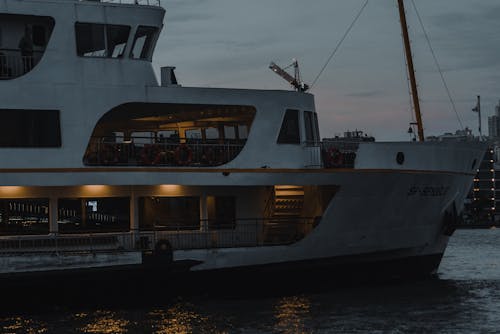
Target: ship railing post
91,243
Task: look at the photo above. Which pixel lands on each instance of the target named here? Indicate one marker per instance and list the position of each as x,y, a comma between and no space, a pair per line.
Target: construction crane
295,80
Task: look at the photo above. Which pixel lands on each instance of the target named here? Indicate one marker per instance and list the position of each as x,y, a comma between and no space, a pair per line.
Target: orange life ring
145,155
335,157
183,155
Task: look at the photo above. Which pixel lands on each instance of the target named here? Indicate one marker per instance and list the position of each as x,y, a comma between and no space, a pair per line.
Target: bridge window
290,133
143,42
100,40
311,126
29,128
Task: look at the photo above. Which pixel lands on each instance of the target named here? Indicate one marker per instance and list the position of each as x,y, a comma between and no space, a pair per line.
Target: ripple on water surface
465,298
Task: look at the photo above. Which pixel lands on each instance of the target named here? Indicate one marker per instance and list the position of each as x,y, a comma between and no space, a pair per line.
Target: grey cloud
365,94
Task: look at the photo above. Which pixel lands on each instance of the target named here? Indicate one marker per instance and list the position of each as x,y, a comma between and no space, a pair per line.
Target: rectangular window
290,133
211,133
29,128
229,132
308,122
24,216
143,42
117,37
90,40
221,212
82,215
169,213
99,40
316,127
311,127
242,131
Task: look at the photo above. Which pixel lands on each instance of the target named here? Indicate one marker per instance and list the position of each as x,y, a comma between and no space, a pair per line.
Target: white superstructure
101,165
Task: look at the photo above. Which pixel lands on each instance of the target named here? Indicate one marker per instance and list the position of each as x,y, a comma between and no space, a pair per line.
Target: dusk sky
230,43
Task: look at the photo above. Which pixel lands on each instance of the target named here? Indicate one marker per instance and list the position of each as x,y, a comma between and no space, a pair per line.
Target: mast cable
339,44
437,65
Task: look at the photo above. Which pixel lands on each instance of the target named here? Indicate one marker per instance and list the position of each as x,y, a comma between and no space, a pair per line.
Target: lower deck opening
135,218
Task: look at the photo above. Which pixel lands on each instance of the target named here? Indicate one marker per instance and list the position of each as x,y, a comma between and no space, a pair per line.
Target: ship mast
411,70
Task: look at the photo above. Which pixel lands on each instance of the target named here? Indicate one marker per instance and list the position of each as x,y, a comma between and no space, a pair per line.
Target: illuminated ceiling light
170,188
94,189
11,190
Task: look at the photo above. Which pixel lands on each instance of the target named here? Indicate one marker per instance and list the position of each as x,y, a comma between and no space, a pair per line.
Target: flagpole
479,115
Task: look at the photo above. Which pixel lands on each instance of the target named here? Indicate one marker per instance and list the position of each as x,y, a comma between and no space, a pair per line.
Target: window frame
105,38
27,116
153,37
283,138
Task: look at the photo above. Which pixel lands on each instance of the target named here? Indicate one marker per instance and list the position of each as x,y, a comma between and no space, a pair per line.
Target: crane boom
294,81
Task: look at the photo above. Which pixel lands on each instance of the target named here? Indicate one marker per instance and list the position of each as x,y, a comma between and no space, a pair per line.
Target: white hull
372,213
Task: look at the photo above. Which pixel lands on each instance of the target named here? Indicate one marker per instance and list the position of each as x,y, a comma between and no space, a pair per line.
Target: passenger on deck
26,47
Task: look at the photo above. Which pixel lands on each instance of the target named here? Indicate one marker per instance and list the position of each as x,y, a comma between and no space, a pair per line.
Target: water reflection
23,325
103,322
180,319
465,299
291,314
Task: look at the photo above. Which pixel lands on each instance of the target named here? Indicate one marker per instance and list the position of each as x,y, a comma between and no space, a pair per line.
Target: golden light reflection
180,319
170,189
291,314
94,188
21,325
11,191
105,322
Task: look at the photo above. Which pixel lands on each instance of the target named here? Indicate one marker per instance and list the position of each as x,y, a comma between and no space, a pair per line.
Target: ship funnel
168,76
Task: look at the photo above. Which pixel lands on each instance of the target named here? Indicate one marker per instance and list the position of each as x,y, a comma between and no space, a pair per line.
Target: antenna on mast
411,70
294,80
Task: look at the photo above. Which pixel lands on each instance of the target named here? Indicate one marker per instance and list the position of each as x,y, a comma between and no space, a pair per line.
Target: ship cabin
96,152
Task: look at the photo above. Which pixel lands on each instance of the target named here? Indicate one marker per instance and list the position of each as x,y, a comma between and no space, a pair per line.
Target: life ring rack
183,155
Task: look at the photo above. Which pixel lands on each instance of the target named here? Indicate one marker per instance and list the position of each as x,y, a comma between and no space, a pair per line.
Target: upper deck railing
156,3
13,64
145,151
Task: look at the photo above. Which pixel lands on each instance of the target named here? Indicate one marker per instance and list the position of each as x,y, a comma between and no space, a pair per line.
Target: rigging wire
437,65
339,44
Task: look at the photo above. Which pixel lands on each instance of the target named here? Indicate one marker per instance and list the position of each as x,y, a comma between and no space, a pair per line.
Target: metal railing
156,3
314,156
189,153
13,64
205,235
339,154
66,243
240,233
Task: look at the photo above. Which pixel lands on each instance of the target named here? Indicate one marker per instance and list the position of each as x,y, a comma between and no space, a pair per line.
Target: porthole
400,158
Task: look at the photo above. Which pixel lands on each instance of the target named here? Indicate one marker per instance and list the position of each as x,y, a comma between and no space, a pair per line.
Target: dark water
464,298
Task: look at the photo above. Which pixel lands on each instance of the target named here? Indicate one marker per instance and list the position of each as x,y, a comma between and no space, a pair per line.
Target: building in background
482,202
484,197
494,124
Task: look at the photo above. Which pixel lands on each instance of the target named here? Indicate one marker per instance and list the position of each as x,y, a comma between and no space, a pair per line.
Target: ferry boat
104,167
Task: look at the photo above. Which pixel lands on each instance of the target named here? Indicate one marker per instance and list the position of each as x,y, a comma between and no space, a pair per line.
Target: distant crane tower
295,81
